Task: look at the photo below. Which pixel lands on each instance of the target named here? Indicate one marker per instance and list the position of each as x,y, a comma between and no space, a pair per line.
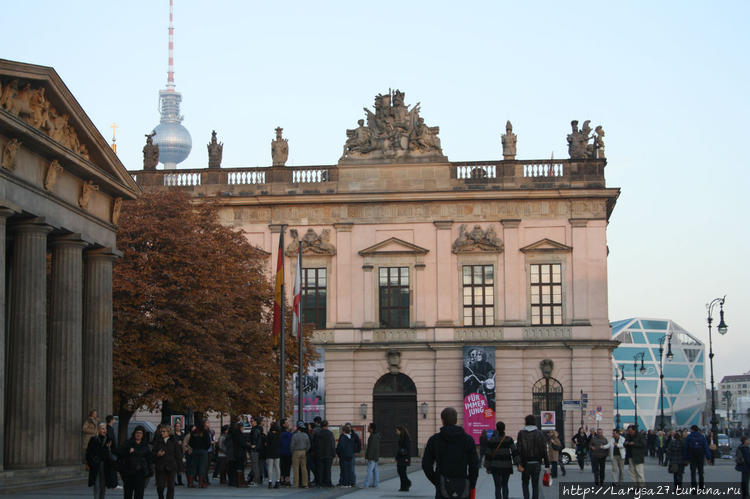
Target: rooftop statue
509,142
578,141
150,153
393,132
279,149
215,150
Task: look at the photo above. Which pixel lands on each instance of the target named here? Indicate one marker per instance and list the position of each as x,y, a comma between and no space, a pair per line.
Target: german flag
278,293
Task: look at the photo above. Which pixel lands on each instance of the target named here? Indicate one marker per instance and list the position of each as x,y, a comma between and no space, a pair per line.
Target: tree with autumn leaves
192,308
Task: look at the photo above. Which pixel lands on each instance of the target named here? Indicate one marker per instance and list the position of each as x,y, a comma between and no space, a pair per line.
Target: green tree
191,311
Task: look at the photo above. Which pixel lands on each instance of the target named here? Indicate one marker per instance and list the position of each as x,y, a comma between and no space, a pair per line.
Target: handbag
546,479
674,468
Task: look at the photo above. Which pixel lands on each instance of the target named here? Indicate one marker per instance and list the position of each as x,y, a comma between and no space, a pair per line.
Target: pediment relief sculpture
116,207
86,190
9,154
477,240
393,132
31,105
312,243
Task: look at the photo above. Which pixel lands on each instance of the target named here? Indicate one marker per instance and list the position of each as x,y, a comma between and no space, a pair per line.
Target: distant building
684,374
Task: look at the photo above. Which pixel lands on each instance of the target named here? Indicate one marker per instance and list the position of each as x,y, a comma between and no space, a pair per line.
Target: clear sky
668,81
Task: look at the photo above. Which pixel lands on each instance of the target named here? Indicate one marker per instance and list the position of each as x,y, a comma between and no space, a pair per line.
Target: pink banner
478,416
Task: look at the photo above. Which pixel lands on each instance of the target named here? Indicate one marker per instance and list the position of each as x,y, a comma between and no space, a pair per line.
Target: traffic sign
571,405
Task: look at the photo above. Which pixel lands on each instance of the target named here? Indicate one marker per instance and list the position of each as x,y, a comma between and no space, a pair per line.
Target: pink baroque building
478,285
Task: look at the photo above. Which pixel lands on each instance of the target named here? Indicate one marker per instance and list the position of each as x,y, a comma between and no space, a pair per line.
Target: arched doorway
394,401
547,395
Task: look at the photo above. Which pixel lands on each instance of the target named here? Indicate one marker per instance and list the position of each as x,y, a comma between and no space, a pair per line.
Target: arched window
394,383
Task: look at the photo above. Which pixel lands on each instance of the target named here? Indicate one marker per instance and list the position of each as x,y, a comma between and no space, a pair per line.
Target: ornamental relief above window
477,240
312,243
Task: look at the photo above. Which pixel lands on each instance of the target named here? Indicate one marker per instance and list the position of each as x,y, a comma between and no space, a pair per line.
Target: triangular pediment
547,246
38,109
394,246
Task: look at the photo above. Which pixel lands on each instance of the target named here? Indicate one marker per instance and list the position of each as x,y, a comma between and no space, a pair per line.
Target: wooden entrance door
394,401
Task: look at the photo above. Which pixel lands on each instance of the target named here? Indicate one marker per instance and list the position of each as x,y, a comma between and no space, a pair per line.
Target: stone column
64,352
4,213
97,331
25,435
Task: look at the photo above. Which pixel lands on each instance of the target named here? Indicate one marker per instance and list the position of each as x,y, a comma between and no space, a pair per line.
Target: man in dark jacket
599,446
239,447
372,454
347,447
450,458
532,453
324,445
696,449
166,453
635,452
313,461
256,445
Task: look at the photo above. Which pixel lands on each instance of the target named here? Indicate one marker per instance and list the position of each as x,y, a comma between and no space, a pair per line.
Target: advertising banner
548,420
479,390
313,390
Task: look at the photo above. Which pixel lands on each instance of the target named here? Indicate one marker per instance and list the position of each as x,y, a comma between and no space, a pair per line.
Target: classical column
25,435
64,347
4,213
97,331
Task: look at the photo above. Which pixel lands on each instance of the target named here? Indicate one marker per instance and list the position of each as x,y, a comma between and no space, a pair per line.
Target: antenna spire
170,70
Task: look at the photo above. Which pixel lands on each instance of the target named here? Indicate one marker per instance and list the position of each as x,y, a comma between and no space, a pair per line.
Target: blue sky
667,80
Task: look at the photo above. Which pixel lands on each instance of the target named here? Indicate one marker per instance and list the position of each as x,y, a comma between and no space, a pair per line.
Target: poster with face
313,390
479,390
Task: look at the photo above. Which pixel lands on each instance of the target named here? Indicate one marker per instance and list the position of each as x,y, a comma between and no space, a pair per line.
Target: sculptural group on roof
578,141
393,131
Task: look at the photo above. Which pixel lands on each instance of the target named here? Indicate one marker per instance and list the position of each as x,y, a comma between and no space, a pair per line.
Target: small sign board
571,405
548,420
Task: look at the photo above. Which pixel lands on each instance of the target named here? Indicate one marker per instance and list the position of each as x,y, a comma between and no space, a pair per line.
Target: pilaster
343,274
4,214
443,258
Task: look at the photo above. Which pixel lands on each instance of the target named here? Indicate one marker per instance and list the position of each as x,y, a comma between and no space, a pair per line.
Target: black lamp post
617,395
670,355
642,369
722,330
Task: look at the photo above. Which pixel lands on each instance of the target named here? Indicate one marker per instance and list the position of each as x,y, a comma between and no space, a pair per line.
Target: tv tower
173,139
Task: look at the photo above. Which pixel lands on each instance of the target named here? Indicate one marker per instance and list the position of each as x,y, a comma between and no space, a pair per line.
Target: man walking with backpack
450,459
697,449
532,452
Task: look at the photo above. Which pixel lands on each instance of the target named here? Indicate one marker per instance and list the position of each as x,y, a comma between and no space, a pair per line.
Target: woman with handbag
135,463
676,452
166,451
102,474
403,457
555,446
581,443
500,454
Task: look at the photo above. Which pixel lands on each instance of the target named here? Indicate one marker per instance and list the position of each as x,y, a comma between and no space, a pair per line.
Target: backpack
695,446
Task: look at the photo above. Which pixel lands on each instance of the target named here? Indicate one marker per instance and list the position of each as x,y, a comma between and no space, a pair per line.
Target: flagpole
282,355
300,332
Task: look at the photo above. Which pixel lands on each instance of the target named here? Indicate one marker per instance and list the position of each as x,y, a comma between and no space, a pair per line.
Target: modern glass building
684,393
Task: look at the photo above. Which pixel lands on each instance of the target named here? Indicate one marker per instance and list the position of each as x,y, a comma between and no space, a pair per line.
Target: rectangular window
479,299
394,296
546,294
314,297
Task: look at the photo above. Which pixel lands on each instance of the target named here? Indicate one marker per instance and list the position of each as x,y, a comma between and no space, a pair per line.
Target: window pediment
547,246
394,246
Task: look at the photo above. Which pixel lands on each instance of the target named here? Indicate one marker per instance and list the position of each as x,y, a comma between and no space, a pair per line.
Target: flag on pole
277,293
296,319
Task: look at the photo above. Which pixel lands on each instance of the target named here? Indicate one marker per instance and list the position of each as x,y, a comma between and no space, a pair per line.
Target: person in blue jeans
372,454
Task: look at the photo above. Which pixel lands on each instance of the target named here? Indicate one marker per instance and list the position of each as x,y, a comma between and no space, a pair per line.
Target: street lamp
722,330
642,369
617,394
670,355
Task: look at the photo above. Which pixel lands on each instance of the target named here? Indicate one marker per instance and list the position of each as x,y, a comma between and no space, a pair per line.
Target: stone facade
57,200
434,218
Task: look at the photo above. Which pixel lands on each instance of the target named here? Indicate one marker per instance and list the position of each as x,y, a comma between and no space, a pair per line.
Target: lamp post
670,355
617,395
635,385
722,330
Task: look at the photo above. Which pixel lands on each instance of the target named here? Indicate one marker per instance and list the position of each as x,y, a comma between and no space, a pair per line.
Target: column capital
33,225
443,224
68,241
510,223
578,222
276,228
102,254
343,227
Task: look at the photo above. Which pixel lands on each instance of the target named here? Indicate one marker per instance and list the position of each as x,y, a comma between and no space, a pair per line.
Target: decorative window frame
392,252
547,251
482,258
